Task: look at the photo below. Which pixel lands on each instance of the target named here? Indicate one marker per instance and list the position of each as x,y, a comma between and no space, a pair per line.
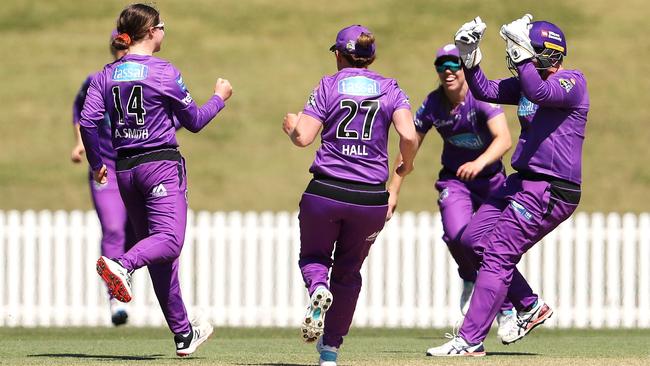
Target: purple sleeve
316,105
504,91
79,100
91,116
400,99
177,124
185,109
489,110
553,92
422,121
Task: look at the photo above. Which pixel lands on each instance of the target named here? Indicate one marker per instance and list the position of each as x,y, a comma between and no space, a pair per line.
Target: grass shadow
512,354
101,357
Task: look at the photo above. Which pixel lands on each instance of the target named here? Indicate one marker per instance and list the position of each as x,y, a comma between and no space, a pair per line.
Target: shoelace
455,329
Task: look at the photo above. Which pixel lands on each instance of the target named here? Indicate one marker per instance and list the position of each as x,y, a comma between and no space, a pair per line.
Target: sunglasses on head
160,26
448,65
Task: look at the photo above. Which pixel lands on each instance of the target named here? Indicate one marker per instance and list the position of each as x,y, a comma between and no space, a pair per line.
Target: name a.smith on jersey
132,133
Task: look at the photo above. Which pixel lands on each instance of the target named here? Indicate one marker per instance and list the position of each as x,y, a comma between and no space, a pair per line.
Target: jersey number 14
134,107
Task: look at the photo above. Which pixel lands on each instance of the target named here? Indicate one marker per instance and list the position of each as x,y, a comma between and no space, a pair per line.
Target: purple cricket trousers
516,217
338,225
154,189
458,201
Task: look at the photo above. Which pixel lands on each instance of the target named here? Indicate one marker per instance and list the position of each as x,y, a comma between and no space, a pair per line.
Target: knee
174,244
349,277
113,232
452,236
501,263
467,241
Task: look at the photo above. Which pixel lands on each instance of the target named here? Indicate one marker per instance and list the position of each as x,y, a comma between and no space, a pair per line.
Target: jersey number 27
342,131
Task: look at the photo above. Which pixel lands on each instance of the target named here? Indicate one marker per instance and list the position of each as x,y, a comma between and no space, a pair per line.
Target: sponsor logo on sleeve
130,71
181,84
312,99
187,100
526,107
567,84
521,210
359,86
467,141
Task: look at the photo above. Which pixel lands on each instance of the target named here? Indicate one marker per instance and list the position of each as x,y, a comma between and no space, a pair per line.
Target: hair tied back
125,38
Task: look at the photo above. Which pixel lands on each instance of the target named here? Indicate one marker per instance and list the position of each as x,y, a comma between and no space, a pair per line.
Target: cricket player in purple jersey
553,105
117,234
344,207
475,136
141,94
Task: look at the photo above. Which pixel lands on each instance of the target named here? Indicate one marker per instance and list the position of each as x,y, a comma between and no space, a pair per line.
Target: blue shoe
328,354
314,321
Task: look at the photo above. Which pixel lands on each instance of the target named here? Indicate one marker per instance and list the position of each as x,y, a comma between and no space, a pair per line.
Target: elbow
301,142
412,141
193,129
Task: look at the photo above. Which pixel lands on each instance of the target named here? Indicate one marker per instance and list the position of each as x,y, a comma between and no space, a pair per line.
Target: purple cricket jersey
141,95
552,114
106,150
356,108
464,129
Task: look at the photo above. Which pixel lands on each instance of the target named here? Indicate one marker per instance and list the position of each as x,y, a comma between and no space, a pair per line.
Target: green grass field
278,347
274,52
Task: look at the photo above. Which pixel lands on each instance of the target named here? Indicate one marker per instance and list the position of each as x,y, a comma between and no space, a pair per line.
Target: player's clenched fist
223,89
290,122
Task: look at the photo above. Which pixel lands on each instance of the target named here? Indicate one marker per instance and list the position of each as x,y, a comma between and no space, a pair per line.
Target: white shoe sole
312,327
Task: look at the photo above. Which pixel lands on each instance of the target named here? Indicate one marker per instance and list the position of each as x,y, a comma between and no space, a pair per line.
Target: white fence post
597,270
439,279
424,270
629,252
613,260
644,271
580,306
242,269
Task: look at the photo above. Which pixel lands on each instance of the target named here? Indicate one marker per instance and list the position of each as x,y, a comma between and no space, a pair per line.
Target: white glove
467,39
517,39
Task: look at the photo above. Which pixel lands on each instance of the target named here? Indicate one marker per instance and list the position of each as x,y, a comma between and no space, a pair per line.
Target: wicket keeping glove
517,39
467,39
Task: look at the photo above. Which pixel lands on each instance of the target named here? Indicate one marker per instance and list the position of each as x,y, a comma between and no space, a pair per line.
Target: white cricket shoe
186,344
527,321
117,278
457,347
314,320
466,296
328,354
506,321
119,315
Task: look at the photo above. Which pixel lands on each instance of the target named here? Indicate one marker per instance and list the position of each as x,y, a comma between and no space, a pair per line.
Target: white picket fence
240,269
